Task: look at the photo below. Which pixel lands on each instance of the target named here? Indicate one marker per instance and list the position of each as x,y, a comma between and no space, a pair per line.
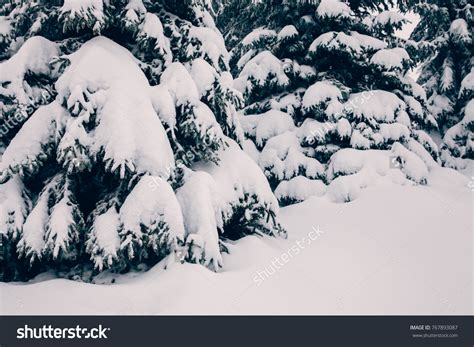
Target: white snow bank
299,189
381,254
354,169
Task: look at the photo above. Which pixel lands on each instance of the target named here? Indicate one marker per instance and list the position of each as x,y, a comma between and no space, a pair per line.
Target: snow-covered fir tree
442,40
325,80
120,141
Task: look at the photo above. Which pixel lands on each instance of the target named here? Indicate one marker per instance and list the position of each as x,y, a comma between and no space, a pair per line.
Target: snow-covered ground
394,250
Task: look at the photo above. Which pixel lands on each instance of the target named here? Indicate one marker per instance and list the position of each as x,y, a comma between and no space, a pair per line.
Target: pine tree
120,138
443,43
317,78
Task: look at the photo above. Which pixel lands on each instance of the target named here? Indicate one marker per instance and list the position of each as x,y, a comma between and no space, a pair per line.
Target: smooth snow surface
396,249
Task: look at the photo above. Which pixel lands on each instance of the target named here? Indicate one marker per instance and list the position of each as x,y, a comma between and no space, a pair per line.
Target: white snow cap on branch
202,215
5,27
380,105
287,32
33,57
87,10
180,84
128,130
388,17
107,240
460,29
299,188
43,128
353,43
390,59
333,8
260,68
13,207
258,34
319,92
267,125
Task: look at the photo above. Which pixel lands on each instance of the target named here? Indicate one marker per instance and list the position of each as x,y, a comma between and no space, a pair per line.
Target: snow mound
351,170
283,158
387,230
410,164
299,189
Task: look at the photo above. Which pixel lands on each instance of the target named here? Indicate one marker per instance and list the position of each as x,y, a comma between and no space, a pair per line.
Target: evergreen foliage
442,42
108,109
321,76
